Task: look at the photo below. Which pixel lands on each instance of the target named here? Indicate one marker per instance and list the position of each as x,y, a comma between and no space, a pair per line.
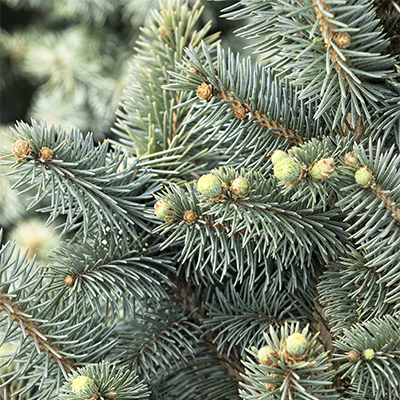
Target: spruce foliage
268,267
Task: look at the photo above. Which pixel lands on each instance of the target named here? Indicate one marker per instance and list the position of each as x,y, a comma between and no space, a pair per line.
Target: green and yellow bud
209,185
363,176
323,169
296,344
264,355
239,187
351,160
277,156
368,354
83,386
287,170
162,208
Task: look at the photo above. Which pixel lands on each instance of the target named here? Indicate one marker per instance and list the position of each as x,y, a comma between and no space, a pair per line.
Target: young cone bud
209,185
83,386
368,354
277,156
351,160
296,344
161,209
287,170
239,186
264,353
363,176
323,169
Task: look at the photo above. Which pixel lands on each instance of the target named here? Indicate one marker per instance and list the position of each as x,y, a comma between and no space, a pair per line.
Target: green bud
351,160
209,185
368,354
296,344
287,170
239,186
278,155
83,387
162,208
323,169
363,176
264,353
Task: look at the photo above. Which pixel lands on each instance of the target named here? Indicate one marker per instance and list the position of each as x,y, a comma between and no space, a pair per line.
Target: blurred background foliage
67,61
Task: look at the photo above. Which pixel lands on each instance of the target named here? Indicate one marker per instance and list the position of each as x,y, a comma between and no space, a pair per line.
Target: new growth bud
363,177
353,356
368,354
239,187
264,353
190,217
287,170
46,154
205,91
277,156
69,280
161,209
296,344
351,160
83,386
323,169
209,185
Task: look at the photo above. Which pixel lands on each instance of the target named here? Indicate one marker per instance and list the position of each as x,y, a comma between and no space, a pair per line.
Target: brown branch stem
388,201
266,123
231,364
17,315
327,30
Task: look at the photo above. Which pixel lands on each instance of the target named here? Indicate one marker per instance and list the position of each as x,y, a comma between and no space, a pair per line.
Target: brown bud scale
271,386
353,356
46,154
342,39
21,149
69,280
240,112
205,91
190,217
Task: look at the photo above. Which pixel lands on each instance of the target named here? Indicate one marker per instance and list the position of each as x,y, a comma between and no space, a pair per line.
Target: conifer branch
81,180
371,355
244,110
239,316
261,224
327,29
389,203
338,65
99,270
32,329
100,381
352,292
163,139
228,361
164,337
237,107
